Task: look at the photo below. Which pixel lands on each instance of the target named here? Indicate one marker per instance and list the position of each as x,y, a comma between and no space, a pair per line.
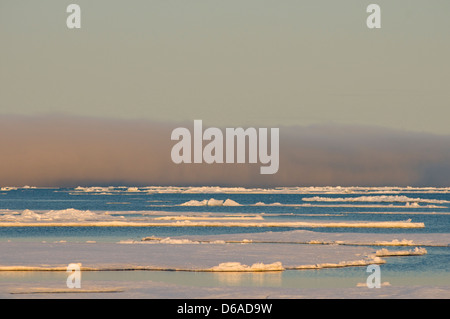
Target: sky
297,65
71,151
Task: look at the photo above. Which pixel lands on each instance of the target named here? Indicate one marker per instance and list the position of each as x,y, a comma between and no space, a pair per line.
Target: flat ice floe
74,217
221,218
230,202
211,202
64,215
255,252
385,198
18,256
248,190
238,267
309,237
386,253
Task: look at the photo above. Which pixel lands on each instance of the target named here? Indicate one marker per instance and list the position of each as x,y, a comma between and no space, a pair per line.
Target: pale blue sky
231,62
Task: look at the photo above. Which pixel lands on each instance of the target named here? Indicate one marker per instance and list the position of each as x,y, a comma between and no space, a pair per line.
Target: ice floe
398,198
276,190
418,251
86,218
230,202
177,255
211,202
69,214
309,237
238,267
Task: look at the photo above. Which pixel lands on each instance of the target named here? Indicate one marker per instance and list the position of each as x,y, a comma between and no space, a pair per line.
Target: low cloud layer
67,151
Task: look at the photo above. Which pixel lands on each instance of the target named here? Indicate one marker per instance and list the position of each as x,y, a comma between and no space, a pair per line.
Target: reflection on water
299,279
263,279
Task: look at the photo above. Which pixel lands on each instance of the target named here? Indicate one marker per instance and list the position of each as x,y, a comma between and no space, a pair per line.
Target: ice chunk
386,253
238,267
230,202
211,202
383,198
215,202
195,203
